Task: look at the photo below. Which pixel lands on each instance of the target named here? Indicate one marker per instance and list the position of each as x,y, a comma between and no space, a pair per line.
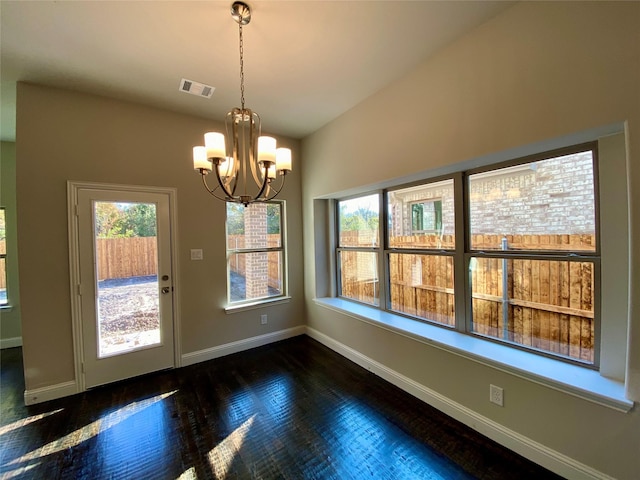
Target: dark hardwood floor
293,409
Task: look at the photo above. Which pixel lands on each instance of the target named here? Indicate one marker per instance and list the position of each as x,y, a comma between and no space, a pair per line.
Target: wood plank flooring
293,409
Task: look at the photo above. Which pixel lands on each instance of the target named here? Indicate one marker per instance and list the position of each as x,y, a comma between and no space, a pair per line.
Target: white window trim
462,253
251,304
235,308
565,377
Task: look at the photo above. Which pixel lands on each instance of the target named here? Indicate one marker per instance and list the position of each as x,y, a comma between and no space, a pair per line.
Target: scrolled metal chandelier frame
250,152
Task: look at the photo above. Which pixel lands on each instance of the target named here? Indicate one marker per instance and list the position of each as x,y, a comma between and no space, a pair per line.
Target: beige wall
10,331
69,136
539,72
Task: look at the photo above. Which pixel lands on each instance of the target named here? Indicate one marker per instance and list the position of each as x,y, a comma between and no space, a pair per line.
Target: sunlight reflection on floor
91,430
26,421
221,457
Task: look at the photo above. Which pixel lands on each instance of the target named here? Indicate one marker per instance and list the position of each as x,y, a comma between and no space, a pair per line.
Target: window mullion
462,290
231,251
383,276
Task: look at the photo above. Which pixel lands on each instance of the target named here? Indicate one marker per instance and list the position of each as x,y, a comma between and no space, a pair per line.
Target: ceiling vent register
196,88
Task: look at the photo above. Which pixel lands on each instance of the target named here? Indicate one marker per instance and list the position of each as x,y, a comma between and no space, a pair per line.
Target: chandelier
246,164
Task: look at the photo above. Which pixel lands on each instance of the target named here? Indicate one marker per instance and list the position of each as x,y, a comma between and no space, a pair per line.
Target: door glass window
3,260
126,277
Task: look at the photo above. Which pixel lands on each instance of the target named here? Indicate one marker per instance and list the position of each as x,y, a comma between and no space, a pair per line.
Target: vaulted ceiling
306,62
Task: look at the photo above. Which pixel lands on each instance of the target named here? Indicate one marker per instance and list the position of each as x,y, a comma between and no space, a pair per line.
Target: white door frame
74,266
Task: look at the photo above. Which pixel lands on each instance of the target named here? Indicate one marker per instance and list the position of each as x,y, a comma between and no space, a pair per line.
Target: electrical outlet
496,395
263,319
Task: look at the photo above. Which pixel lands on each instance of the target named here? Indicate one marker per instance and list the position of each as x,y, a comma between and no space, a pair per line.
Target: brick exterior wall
257,268
553,196
401,201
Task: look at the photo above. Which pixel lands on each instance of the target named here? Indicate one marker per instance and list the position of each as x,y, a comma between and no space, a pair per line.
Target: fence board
237,262
545,308
126,257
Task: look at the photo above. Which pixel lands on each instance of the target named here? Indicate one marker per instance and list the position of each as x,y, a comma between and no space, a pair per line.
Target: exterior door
126,284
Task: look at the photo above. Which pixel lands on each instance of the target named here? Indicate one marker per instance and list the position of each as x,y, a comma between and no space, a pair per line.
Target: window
421,276
508,253
255,252
426,216
3,259
533,254
358,244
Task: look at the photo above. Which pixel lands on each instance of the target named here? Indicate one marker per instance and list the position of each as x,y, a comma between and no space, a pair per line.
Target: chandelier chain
241,67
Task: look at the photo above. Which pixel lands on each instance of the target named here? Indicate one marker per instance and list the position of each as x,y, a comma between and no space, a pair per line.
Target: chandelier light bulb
226,167
214,142
200,161
283,159
266,149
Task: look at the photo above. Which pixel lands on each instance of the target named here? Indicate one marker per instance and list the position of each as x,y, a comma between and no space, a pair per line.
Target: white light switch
196,254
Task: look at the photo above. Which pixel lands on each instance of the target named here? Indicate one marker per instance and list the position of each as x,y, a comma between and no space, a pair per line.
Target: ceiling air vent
196,88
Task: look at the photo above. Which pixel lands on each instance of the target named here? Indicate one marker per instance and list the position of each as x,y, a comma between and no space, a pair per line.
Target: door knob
166,289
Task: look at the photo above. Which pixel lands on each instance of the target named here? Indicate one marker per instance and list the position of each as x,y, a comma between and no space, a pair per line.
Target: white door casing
95,366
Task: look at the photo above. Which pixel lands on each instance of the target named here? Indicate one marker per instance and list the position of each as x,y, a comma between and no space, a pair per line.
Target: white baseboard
10,342
239,346
39,395
65,389
534,451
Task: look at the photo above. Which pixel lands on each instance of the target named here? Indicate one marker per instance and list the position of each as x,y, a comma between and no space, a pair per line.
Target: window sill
258,304
568,378
6,308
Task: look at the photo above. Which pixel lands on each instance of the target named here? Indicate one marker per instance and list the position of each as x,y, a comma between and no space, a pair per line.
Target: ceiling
306,62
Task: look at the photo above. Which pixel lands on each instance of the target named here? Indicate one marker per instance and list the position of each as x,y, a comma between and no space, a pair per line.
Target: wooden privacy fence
237,262
581,242
126,257
138,256
543,304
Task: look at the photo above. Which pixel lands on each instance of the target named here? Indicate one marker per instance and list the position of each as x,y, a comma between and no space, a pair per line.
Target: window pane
359,276
255,275
422,286
3,233
127,304
544,205
359,221
422,216
3,281
255,226
542,304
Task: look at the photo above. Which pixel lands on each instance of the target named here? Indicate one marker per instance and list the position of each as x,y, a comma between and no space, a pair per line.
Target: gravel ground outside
128,312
